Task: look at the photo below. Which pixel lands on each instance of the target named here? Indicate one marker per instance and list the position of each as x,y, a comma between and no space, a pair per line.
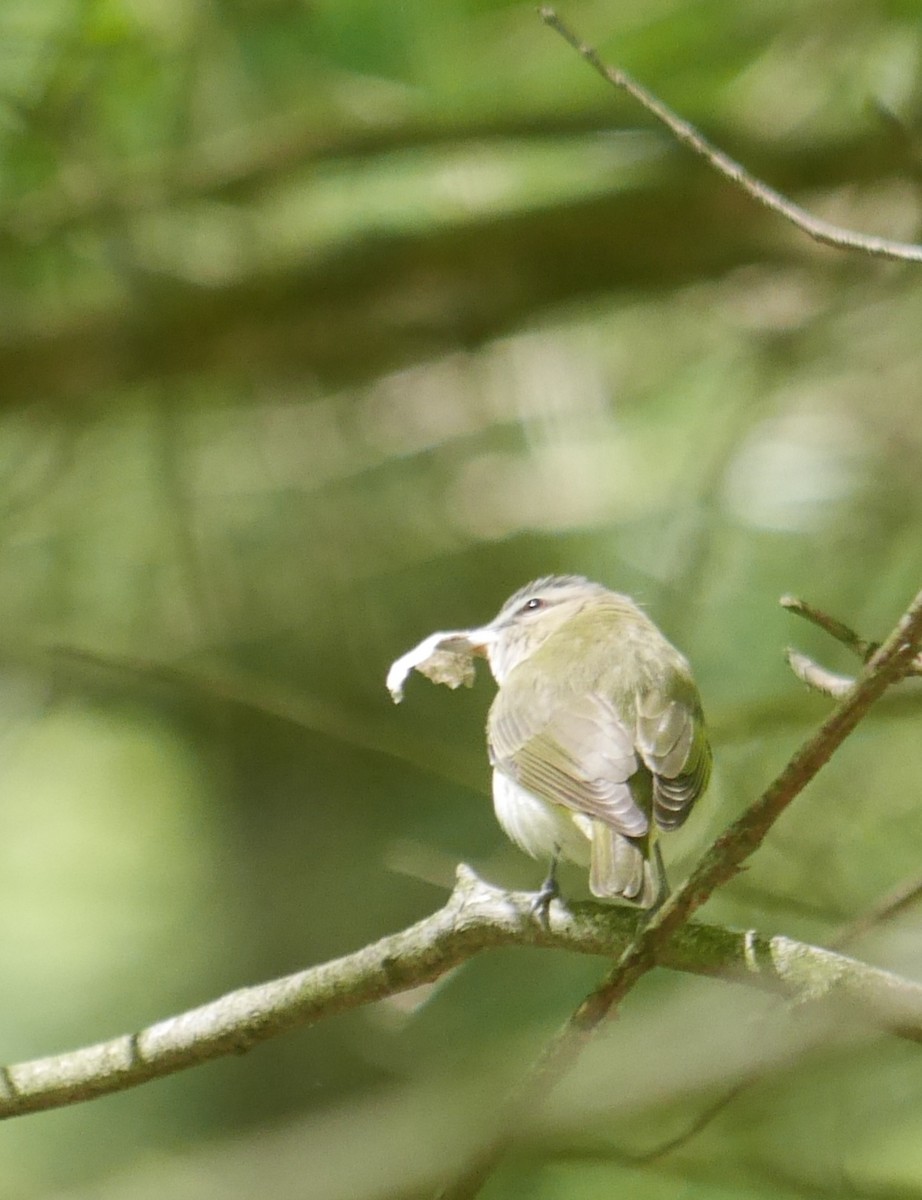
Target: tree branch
685,132
477,916
719,864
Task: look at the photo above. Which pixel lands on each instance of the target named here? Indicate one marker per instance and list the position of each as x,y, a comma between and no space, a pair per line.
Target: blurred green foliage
325,324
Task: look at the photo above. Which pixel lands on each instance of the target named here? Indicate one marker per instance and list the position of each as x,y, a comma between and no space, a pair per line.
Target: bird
596,735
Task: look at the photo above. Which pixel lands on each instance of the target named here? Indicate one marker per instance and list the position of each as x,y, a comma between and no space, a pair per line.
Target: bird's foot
541,901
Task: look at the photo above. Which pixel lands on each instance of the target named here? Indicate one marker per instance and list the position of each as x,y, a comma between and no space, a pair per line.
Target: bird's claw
541,901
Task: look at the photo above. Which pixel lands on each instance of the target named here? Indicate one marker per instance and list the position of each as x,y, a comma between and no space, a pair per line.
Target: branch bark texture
476,917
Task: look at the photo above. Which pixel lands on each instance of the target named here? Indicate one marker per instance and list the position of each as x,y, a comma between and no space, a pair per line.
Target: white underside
537,827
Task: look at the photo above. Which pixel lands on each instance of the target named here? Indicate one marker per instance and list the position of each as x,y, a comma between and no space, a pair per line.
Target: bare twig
476,916
719,864
683,131
700,1123
818,678
831,625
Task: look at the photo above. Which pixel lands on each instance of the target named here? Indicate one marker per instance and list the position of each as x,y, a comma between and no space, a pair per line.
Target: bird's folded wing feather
580,755
672,742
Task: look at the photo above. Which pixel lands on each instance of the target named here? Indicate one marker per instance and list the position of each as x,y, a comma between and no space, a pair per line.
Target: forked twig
810,672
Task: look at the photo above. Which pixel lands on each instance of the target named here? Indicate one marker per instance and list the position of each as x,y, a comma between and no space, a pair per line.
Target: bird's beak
481,639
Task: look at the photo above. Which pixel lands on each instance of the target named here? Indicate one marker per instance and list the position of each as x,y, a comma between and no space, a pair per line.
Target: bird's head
533,614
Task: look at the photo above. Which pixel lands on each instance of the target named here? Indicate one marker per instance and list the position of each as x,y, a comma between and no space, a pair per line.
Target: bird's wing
672,742
579,754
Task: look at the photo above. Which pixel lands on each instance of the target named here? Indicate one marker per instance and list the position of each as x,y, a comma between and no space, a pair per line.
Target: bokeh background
329,323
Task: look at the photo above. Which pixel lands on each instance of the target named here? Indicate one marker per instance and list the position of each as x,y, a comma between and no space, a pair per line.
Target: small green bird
596,735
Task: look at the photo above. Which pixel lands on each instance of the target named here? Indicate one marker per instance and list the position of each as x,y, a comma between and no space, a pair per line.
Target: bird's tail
627,868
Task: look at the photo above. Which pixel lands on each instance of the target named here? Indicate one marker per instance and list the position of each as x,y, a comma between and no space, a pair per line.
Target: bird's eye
532,604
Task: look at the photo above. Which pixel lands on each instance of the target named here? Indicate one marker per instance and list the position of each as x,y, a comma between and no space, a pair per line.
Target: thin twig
818,678
814,227
719,864
700,1123
903,896
831,625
